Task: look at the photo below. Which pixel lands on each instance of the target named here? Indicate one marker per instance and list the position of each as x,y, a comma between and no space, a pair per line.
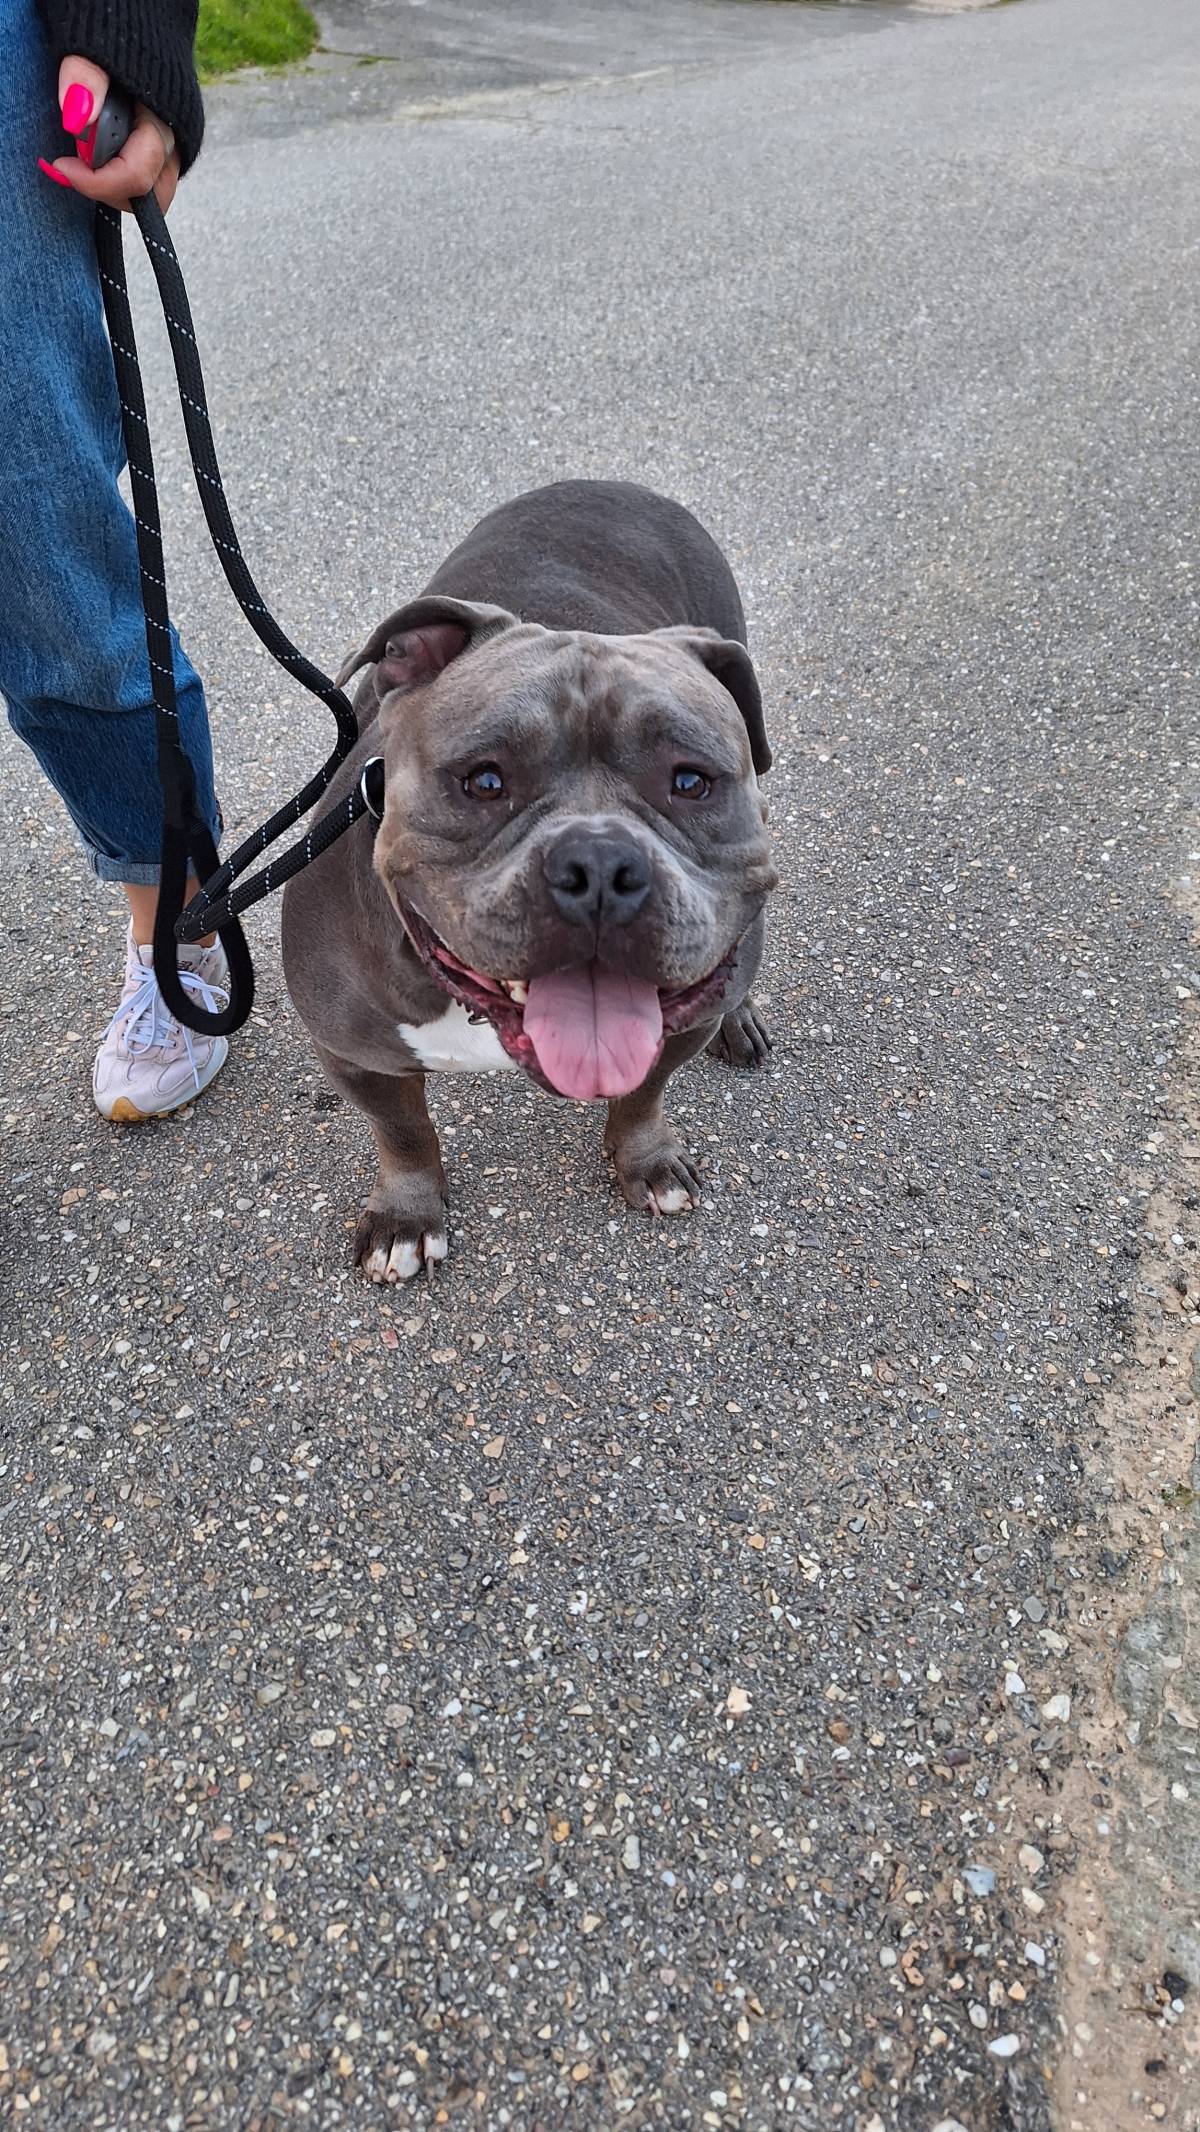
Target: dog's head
573,834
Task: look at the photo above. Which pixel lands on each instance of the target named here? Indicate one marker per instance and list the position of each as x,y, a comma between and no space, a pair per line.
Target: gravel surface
627,1681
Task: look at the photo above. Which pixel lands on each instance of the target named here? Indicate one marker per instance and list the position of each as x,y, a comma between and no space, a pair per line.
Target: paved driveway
657,1674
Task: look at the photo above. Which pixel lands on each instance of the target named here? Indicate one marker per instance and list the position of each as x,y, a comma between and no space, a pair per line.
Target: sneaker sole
124,1112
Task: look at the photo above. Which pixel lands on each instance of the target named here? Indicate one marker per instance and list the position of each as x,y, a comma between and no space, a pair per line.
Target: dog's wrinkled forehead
504,685
584,696
439,664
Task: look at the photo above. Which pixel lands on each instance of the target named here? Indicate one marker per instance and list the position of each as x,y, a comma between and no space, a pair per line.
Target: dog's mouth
586,1032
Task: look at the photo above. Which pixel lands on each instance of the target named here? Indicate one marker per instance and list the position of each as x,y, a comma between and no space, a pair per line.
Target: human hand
149,161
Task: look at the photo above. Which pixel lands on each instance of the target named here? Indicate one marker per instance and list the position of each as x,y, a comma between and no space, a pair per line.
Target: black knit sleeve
146,45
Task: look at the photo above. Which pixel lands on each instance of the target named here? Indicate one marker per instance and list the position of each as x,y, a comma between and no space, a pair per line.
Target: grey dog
571,866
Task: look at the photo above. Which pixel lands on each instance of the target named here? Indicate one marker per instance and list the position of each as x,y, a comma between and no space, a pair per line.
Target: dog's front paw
743,1038
400,1237
659,1179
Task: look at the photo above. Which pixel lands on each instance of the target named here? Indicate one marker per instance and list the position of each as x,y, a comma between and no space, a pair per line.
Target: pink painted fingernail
57,175
77,107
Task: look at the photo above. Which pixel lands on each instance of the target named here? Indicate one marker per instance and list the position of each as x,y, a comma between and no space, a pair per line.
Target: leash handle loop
215,905
219,902
184,833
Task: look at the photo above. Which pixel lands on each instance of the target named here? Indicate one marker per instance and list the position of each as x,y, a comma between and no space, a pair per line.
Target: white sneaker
148,1063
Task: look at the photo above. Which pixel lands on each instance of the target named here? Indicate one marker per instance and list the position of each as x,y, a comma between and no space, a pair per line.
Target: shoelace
149,1022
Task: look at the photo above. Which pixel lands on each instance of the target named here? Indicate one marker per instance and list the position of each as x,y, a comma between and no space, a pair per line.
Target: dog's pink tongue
596,1032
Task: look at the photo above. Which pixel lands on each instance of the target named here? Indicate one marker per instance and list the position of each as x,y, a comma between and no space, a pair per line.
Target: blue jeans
73,666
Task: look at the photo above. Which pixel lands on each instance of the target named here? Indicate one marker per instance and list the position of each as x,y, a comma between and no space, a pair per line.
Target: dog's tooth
518,991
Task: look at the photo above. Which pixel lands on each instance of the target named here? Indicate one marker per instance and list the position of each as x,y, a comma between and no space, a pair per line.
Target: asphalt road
656,1674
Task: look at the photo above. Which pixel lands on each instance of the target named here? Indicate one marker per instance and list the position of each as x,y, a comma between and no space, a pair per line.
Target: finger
82,88
168,137
164,191
127,177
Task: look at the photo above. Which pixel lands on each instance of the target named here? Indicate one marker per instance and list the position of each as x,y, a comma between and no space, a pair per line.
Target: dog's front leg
402,1228
653,1167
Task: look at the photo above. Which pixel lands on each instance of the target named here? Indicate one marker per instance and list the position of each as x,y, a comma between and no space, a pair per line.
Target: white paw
405,1259
670,1199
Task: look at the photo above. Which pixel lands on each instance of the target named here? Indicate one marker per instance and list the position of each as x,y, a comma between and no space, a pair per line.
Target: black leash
218,905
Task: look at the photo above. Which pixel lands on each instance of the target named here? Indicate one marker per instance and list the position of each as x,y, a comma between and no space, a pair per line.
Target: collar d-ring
370,787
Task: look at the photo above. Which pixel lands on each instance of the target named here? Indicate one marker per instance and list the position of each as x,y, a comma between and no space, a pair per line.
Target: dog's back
606,556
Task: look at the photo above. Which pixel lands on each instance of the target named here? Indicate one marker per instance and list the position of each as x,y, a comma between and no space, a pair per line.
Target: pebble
1057,1710
1030,1859
326,1736
981,1880
977,2016
1035,1954
1035,1607
1033,1902
1013,1684
1004,2046
270,1693
631,1854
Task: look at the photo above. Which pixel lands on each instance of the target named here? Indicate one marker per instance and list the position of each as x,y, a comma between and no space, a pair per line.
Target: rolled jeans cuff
135,873
131,873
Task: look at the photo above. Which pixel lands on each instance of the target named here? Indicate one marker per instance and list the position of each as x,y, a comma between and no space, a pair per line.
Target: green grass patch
251,33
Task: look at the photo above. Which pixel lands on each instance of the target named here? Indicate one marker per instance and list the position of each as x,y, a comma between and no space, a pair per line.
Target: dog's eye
485,783
689,783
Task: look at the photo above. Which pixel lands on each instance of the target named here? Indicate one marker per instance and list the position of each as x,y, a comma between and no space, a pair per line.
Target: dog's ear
730,663
419,640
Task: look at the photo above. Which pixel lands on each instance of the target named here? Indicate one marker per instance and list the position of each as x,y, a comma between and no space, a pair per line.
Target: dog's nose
594,878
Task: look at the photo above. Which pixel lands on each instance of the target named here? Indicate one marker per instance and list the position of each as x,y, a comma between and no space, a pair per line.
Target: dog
570,870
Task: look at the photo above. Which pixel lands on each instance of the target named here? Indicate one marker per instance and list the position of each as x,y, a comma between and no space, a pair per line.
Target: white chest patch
454,1044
